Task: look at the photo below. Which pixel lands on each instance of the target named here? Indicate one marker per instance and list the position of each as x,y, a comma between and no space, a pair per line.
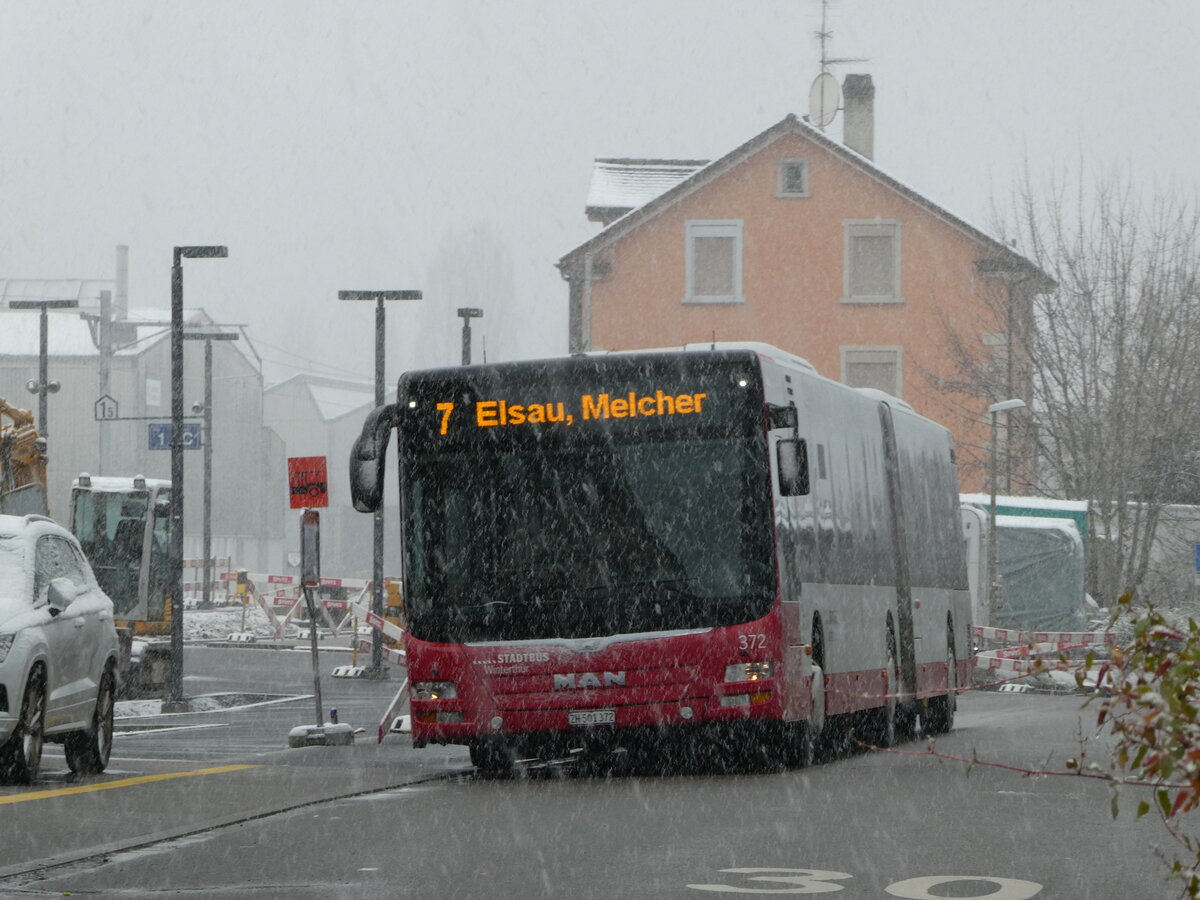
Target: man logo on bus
571,681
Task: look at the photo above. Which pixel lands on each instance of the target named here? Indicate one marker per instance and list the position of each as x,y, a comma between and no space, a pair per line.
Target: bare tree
1113,358
473,266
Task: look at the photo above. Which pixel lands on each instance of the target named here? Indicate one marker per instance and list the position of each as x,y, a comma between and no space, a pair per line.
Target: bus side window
792,454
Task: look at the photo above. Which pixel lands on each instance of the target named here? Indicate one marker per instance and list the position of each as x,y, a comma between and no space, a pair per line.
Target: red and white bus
714,544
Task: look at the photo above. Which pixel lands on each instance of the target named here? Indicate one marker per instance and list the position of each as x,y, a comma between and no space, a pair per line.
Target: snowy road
876,825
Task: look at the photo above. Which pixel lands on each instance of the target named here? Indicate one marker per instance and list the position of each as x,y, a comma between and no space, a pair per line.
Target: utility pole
174,701
207,408
994,587
43,386
468,313
104,342
377,670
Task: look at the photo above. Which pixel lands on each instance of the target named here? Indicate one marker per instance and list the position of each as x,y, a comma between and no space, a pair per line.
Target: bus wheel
808,734
834,740
803,745
939,711
881,725
492,757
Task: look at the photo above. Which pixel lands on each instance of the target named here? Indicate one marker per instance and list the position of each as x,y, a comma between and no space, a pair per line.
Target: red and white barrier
282,592
193,579
1013,636
266,579
1037,651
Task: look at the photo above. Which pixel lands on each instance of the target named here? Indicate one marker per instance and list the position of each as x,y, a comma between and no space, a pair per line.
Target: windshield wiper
486,605
670,585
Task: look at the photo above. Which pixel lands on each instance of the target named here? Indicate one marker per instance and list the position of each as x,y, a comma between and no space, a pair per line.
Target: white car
58,651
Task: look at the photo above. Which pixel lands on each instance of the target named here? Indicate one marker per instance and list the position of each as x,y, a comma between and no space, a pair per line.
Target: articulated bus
704,547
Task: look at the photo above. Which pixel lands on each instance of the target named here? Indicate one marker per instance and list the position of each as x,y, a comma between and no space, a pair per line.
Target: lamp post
43,385
993,578
376,669
468,313
206,407
175,681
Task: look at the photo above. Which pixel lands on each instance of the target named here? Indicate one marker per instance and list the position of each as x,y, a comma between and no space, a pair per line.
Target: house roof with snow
332,398
84,290
1002,258
68,333
621,185
72,332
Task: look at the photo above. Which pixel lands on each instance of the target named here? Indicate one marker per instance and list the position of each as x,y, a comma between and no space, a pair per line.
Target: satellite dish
824,99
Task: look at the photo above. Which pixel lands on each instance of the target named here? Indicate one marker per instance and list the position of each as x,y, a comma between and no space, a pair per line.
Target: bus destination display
496,413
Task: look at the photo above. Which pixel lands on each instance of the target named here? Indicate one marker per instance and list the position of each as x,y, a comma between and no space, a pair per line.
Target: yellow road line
119,783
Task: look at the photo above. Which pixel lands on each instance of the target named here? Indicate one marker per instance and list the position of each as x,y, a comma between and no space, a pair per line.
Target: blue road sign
160,436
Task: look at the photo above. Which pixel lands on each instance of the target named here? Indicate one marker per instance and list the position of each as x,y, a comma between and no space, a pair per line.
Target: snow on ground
219,624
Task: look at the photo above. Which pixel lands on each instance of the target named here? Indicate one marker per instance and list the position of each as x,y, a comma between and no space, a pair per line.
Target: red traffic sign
307,484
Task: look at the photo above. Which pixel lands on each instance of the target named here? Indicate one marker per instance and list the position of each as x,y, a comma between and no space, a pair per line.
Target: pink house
799,241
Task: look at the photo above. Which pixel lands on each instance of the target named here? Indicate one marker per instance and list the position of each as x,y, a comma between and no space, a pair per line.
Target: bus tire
940,710
881,726
834,740
807,734
492,757
803,745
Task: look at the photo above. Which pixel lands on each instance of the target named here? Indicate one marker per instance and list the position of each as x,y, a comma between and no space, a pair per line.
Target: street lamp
175,682
43,385
376,669
206,407
993,579
468,313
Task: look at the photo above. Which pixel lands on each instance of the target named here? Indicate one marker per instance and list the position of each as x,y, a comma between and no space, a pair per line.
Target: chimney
858,117
121,300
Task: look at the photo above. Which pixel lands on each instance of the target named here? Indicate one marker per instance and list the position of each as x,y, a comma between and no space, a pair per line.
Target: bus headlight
434,690
750,671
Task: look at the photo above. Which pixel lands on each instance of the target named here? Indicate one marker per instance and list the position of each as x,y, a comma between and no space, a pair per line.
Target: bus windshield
589,533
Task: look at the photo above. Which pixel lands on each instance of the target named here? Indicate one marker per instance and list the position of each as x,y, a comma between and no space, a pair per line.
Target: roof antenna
825,95
714,339
484,339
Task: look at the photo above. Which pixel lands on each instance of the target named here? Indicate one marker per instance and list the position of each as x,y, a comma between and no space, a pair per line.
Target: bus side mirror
792,454
367,458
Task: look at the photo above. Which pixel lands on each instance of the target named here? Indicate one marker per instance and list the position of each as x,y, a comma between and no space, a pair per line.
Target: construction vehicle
393,609
123,527
22,464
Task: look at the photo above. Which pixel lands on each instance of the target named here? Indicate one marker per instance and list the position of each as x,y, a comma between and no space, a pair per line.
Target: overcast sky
382,145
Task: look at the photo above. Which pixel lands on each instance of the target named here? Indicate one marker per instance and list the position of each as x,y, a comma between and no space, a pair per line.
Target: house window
874,367
714,261
872,261
793,178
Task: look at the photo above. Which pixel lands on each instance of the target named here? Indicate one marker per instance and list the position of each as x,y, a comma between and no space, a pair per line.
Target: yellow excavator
22,463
